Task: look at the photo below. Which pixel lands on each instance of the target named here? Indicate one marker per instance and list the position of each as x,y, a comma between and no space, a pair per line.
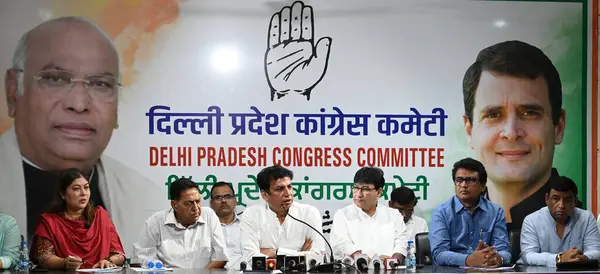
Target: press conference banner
218,90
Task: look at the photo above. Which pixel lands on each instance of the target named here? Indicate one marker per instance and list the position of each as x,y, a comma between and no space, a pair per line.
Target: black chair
423,249
514,239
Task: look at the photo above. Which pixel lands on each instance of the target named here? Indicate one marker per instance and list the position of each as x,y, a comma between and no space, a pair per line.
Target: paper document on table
139,269
101,270
489,269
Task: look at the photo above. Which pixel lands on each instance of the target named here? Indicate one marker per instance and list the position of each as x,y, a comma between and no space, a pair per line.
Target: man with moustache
268,230
186,235
469,230
559,232
513,119
223,202
62,92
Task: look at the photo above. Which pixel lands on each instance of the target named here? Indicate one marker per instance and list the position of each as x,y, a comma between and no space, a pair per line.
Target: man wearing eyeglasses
223,202
367,227
468,229
404,200
187,235
62,92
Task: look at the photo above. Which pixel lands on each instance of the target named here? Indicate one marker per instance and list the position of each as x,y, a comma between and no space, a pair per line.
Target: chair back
423,252
514,239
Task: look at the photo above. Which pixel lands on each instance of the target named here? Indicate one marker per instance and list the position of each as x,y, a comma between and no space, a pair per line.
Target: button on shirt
260,228
234,247
540,242
176,246
415,225
384,233
455,233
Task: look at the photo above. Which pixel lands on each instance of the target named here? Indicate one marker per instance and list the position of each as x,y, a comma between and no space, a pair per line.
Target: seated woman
75,234
10,239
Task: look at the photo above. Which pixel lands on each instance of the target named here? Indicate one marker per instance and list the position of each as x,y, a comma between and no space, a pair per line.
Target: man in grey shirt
559,232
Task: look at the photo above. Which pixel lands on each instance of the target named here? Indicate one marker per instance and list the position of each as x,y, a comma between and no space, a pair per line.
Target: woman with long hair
73,233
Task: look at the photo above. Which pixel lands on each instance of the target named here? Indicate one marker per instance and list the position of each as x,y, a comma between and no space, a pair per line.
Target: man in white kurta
366,227
180,247
404,200
223,202
185,236
268,229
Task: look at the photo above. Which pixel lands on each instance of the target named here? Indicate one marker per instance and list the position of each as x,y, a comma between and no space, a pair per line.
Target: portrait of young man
513,120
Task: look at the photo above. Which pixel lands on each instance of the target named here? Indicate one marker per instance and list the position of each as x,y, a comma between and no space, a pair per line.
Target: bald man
62,91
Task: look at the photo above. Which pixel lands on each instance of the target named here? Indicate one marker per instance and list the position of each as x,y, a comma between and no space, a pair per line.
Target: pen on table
71,257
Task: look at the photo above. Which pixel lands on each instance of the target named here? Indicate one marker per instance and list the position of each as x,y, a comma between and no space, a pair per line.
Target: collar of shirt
291,210
458,206
235,221
570,221
171,220
30,163
362,215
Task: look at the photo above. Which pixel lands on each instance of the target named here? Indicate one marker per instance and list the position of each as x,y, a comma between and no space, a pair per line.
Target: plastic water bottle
23,258
152,264
411,260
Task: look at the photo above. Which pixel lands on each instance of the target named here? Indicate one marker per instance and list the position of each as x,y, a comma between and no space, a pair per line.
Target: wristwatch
558,257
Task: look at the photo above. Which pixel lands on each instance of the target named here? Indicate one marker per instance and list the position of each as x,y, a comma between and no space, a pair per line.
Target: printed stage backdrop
213,90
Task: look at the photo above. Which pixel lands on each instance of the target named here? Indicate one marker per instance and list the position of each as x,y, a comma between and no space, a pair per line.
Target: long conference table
425,269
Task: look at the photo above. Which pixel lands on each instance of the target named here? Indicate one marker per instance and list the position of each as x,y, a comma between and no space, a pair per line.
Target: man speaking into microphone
269,230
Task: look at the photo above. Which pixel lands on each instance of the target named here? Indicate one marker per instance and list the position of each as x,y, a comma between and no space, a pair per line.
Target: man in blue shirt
468,229
559,232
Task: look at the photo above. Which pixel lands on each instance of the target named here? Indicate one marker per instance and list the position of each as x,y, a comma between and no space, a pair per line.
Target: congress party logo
294,63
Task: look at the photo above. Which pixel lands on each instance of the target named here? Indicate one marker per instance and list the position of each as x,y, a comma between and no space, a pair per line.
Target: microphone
243,266
362,262
348,260
391,263
329,267
376,262
313,259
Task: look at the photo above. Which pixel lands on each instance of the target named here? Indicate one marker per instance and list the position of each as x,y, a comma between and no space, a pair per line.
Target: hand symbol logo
292,61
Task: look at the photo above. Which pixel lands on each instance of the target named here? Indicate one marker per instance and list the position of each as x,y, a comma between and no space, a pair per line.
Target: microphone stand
330,267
